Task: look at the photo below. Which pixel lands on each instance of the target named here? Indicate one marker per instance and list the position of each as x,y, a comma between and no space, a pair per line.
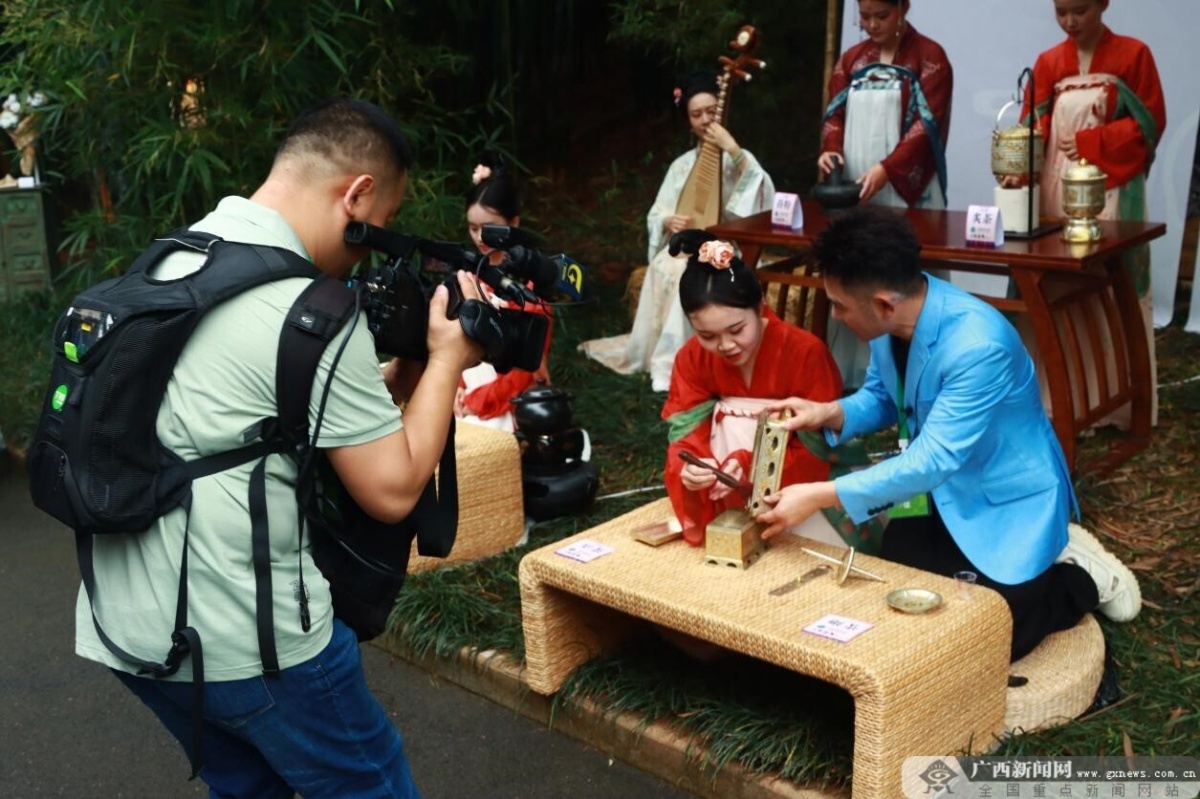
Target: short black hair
497,192
354,135
870,247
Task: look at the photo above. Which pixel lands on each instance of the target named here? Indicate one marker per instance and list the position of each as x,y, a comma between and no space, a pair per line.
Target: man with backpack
310,726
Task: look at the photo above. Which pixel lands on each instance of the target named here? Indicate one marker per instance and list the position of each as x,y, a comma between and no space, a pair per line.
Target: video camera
397,292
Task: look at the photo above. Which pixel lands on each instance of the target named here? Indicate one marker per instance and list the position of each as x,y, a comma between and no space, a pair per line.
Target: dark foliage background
565,87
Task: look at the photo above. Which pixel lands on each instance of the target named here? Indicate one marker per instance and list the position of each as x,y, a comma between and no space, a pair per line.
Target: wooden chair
793,289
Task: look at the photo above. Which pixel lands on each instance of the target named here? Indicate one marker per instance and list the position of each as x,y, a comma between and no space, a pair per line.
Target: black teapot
543,410
836,193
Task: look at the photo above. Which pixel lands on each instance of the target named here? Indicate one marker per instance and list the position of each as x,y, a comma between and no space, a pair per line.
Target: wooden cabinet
24,254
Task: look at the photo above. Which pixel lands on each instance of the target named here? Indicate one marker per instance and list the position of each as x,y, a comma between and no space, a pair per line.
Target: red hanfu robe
1118,147
912,164
791,362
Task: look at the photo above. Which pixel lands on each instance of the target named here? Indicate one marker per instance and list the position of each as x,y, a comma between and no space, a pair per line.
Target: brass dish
914,600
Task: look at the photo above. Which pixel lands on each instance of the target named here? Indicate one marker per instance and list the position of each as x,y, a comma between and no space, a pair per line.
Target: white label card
584,550
985,226
787,211
838,628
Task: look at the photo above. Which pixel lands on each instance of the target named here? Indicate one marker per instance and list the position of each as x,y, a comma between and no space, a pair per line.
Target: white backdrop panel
989,43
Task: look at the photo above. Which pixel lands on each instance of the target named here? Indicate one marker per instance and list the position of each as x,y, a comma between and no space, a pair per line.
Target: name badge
917,506
985,227
787,211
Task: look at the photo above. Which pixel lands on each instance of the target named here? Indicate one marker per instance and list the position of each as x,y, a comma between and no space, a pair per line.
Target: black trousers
1054,600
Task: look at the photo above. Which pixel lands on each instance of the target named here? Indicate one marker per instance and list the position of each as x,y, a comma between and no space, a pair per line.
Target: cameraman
315,729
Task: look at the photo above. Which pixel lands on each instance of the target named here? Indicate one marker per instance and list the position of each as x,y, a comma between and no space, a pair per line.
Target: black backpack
96,464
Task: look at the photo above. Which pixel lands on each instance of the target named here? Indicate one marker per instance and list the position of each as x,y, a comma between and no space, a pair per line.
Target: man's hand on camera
446,340
401,377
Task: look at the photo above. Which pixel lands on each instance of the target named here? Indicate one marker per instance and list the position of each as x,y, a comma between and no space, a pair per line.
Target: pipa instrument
701,195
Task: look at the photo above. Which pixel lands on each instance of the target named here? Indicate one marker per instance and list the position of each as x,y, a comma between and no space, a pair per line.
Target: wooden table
1071,292
932,684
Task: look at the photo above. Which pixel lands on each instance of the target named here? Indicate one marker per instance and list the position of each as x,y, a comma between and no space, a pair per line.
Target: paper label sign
838,628
985,227
787,211
584,550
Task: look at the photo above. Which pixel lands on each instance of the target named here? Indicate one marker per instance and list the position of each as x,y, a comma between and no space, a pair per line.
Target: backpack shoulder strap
303,340
315,318
163,246
233,267
321,310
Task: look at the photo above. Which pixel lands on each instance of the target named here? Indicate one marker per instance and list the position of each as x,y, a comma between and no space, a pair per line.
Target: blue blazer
982,444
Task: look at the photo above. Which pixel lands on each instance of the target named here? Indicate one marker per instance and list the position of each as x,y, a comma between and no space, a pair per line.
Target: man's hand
828,160
795,503
695,478
445,339
401,378
809,415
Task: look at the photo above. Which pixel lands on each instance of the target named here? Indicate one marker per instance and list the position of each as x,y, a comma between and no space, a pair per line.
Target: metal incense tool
743,487
846,564
792,585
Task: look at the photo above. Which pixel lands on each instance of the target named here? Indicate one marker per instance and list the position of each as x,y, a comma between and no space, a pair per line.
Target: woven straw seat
1063,674
929,684
491,511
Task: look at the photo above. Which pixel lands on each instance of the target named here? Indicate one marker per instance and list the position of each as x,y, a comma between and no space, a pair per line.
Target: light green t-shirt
223,384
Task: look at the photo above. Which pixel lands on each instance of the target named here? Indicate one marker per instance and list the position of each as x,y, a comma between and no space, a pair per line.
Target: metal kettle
1010,149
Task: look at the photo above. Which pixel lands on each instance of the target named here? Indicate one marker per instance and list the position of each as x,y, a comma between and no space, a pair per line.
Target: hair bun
693,83
688,241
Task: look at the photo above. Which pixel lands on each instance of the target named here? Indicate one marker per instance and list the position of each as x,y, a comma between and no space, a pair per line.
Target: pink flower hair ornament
718,254
481,174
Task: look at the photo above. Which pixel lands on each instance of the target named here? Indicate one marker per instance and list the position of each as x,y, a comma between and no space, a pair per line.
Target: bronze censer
734,538
1082,201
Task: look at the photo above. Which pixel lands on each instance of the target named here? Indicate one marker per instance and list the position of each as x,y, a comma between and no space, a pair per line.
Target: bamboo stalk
833,8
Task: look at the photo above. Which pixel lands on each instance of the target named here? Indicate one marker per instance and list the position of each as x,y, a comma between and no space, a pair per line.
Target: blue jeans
315,730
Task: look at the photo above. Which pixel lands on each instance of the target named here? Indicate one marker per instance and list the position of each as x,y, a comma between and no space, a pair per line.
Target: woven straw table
931,684
491,511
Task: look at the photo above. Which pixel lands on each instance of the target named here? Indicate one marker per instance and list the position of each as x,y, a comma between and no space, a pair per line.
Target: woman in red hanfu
889,114
483,395
1099,99
741,358
888,121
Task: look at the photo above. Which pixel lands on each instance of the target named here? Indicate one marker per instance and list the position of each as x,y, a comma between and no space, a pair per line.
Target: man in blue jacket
980,483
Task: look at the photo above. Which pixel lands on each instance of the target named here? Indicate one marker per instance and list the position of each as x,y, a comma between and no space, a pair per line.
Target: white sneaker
1120,596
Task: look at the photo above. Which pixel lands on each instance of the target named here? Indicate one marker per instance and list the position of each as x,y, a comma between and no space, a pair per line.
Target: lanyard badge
918,505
